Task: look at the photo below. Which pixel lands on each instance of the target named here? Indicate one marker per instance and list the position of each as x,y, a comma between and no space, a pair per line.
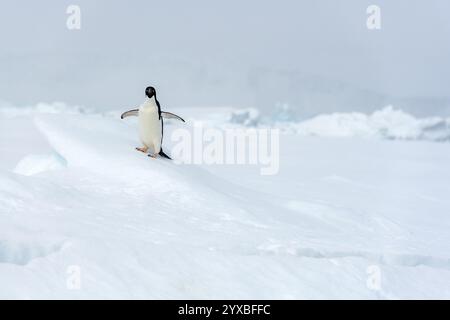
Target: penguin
151,124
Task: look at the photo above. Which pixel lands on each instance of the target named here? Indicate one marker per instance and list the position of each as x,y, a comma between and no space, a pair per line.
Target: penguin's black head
150,92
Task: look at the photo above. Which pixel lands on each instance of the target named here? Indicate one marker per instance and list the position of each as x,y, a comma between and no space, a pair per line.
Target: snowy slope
73,192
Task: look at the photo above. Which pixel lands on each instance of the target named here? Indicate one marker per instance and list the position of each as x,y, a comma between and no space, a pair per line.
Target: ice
75,195
246,117
387,123
33,164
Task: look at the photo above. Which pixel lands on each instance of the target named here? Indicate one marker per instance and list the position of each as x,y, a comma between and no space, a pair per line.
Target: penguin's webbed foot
152,155
144,150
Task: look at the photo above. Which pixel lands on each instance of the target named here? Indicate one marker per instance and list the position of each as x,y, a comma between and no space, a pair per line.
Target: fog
316,56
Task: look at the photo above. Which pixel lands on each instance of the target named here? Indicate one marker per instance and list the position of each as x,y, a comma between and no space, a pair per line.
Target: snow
7,110
387,123
34,164
75,195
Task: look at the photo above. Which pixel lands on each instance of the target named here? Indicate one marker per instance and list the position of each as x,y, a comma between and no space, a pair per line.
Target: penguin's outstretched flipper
170,115
130,113
162,154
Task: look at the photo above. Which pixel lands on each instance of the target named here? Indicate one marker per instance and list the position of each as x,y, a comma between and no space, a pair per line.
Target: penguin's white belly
150,129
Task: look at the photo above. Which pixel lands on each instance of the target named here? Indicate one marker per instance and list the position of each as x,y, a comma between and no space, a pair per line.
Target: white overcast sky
114,54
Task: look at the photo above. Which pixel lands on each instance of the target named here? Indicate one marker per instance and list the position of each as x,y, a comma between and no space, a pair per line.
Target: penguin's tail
162,154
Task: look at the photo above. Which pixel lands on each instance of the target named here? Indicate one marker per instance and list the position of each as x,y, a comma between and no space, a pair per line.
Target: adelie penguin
151,124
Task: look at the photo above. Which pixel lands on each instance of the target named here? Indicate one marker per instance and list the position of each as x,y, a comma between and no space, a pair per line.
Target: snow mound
388,123
34,164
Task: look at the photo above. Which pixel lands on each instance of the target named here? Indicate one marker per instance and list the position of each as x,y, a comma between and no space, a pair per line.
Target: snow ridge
388,123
